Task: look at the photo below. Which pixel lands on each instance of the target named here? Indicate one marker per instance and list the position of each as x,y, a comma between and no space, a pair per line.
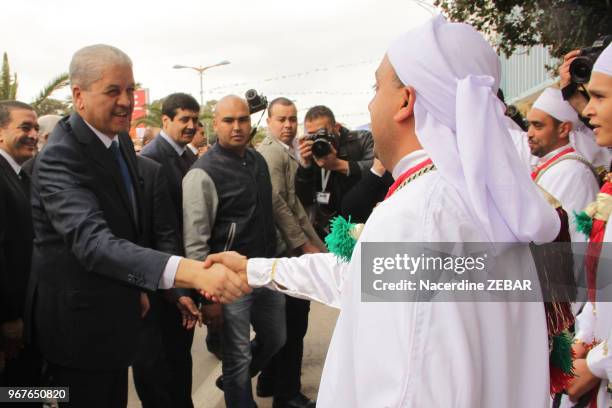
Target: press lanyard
324,178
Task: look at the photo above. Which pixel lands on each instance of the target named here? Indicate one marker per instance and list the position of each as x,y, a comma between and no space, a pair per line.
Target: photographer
576,71
332,160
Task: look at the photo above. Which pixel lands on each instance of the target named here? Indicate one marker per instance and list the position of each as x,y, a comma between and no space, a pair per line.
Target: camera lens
320,148
580,70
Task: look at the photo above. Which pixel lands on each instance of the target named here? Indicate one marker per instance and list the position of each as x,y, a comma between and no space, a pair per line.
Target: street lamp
200,71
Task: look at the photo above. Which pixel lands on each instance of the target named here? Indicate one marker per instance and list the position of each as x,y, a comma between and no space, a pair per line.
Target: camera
323,142
256,102
580,69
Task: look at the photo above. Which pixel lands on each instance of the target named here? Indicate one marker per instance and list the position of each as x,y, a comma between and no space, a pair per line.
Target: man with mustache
90,262
227,205
18,138
179,123
561,142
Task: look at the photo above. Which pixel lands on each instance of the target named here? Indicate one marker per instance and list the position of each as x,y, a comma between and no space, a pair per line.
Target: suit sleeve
165,225
4,278
75,214
285,218
359,167
200,203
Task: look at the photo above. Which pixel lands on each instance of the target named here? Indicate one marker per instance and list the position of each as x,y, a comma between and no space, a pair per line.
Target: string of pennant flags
252,84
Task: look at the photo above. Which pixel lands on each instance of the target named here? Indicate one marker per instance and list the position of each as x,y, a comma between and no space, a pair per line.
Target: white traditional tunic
572,183
418,355
596,325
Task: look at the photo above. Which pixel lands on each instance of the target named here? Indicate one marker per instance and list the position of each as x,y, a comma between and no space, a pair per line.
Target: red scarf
541,167
405,175
594,249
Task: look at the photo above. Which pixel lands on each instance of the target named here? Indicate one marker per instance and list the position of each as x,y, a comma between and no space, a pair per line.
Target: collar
10,161
193,149
103,138
178,149
408,161
552,154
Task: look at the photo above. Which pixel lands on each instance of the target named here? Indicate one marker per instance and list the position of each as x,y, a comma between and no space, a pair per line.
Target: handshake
224,278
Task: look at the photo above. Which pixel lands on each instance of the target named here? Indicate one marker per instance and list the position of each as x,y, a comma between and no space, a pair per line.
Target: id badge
323,197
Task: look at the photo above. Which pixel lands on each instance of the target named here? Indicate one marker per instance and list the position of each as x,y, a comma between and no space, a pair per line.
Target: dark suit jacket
161,151
15,242
89,264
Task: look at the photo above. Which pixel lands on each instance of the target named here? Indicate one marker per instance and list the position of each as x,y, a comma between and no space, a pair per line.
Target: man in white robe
594,325
435,99
561,170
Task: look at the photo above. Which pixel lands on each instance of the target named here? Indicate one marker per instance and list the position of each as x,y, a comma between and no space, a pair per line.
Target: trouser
25,370
265,310
163,368
283,373
91,389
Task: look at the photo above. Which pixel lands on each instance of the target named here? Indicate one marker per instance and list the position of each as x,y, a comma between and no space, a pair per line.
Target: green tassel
339,241
584,223
561,354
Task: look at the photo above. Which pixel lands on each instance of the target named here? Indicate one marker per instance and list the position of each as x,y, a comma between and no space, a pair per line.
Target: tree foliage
560,25
8,85
56,83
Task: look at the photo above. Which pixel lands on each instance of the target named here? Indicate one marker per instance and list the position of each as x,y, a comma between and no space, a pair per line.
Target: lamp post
200,70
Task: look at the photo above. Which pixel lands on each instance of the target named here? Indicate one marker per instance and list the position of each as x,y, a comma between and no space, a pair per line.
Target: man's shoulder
147,163
154,148
271,149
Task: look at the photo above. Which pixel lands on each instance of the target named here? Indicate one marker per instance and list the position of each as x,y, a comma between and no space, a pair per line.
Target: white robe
598,326
416,355
573,184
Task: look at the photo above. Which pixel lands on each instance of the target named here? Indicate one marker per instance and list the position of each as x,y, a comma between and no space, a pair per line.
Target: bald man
227,206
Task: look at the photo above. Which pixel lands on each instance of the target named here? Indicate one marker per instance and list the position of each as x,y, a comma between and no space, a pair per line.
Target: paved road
206,368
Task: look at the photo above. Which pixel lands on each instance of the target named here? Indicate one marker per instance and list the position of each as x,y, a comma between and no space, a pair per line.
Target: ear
165,120
268,120
77,98
564,130
406,109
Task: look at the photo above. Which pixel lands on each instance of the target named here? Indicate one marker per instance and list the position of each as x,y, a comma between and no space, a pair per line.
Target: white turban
460,122
581,137
604,62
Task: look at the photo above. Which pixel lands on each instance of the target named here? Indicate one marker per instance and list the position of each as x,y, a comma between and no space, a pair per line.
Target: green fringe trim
561,354
339,241
584,223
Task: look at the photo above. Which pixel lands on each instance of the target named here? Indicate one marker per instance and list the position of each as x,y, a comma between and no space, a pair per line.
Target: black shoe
264,389
299,401
219,382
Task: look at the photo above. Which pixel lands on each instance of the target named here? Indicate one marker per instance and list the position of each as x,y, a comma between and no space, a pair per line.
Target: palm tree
56,83
153,118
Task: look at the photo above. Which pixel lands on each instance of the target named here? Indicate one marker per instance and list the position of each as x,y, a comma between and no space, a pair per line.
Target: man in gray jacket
281,377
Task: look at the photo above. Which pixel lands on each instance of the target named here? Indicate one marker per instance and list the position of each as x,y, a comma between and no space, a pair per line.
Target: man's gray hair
88,63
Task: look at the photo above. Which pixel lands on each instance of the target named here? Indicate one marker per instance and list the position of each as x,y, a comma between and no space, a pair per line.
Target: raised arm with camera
576,71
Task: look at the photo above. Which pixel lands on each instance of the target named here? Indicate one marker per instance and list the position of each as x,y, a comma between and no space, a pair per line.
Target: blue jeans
265,309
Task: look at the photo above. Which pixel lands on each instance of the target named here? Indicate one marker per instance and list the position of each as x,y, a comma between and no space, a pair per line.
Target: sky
313,52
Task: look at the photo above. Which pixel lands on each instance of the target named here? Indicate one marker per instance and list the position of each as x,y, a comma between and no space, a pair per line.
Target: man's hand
309,248
579,350
564,72
577,100
583,382
232,260
189,312
305,152
12,338
217,280
332,162
378,167
145,305
213,315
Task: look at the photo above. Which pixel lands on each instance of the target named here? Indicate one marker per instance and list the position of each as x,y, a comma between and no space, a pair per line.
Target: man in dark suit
152,377
90,264
18,138
180,120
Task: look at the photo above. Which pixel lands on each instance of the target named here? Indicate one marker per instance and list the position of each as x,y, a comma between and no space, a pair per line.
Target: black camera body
580,68
323,142
256,102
